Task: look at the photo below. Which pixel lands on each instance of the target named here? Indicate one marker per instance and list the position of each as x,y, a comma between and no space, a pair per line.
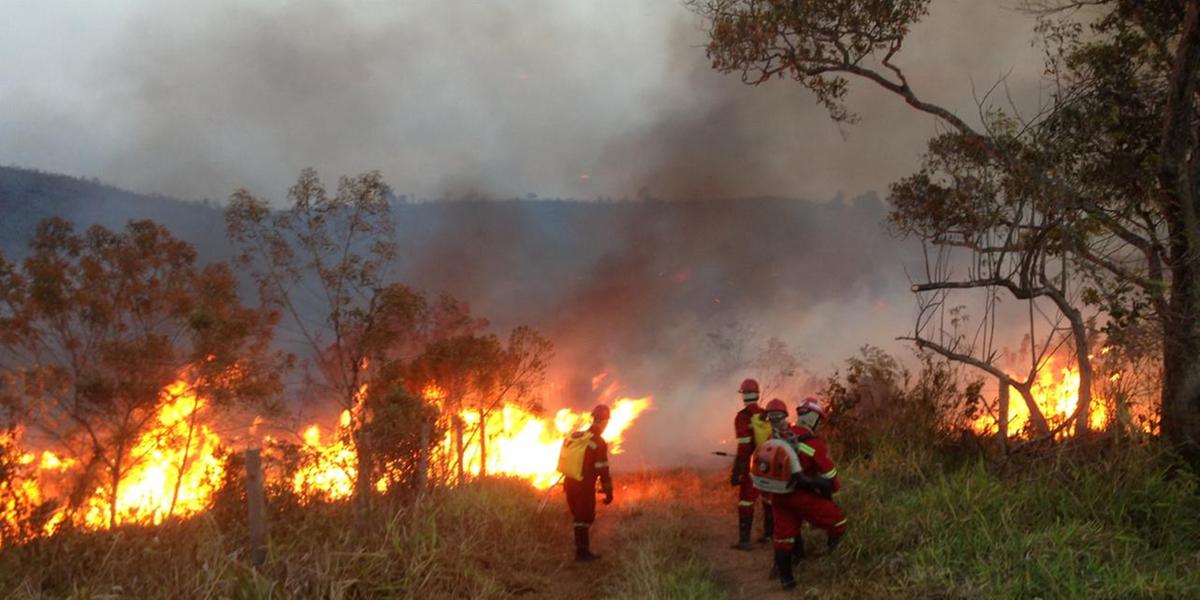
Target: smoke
497,99
643,291
459,100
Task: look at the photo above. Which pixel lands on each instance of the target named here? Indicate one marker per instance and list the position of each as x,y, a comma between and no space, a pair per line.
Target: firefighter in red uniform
812,500
740,477
581,495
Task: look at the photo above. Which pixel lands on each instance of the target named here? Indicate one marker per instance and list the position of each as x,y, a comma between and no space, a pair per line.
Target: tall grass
1122,523
658,541
1110,522
484,540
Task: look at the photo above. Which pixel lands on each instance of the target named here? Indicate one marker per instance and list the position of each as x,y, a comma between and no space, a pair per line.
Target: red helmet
601,413
811,404
776,405
749,386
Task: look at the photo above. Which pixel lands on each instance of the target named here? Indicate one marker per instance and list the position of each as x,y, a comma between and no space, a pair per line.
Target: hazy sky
574,98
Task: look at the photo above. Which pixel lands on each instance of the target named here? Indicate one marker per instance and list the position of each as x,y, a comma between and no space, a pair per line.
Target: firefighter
820,509
750,430
813,479
585,454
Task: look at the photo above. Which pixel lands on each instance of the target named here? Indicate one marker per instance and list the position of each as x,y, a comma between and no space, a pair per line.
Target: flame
176,467
327,471
1056,393
521,444
173,469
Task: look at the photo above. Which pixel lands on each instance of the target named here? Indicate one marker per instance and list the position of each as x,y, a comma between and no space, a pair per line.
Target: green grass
658,557
1118,524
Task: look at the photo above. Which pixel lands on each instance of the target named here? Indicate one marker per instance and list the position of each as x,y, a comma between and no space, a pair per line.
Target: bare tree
821,44
322,262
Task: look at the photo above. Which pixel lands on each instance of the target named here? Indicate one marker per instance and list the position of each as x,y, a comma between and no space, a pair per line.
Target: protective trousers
792,510
581,500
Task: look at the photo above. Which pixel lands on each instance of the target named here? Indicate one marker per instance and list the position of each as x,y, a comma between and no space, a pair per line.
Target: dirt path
582,581
742,574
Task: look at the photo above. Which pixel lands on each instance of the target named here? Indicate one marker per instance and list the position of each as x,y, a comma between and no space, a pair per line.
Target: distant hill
28,196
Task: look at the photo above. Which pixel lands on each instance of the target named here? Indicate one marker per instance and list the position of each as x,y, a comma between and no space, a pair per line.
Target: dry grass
478,541
1115,524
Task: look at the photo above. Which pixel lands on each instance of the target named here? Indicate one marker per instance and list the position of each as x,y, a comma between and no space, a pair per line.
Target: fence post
256,507
1003,425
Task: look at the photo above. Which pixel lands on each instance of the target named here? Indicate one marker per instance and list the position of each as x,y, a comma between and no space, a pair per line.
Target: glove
608,497
735,478
817,485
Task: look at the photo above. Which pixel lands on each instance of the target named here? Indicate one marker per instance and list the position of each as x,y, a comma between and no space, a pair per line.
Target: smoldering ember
690,299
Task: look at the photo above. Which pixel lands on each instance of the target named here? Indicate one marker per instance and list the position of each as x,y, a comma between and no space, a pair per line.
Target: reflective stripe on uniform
806,449
744,440
831,474
585,525
745,503
790,540
602,464
840,523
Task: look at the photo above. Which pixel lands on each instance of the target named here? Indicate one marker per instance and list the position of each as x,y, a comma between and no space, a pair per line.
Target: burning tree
95,326
323,262
471,376
1111,162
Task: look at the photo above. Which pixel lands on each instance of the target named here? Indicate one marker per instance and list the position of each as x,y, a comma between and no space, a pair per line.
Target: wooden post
1003,424
256,507
423,464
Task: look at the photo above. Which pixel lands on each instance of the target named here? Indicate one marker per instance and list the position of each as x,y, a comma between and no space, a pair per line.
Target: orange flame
176,468
521,444
1056,393
173,469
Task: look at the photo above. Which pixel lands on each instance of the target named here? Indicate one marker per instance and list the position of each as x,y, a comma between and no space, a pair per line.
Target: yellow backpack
761,428
570,457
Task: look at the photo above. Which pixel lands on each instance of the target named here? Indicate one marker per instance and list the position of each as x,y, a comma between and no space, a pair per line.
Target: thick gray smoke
611,100
579,99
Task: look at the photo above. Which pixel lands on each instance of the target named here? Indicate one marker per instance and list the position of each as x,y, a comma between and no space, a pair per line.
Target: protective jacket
805,504
743,427
581,494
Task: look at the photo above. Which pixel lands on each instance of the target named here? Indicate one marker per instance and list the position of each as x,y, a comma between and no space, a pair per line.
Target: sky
502,98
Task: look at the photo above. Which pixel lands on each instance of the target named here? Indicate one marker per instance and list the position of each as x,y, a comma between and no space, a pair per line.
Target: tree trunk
1035,413
1181,365
1083,405
459,451
187,450
115,484
423,464
1179,180
363,470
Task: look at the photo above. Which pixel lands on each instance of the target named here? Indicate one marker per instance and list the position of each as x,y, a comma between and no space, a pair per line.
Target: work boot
797,556
783,565
768,525
745,523
582,552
